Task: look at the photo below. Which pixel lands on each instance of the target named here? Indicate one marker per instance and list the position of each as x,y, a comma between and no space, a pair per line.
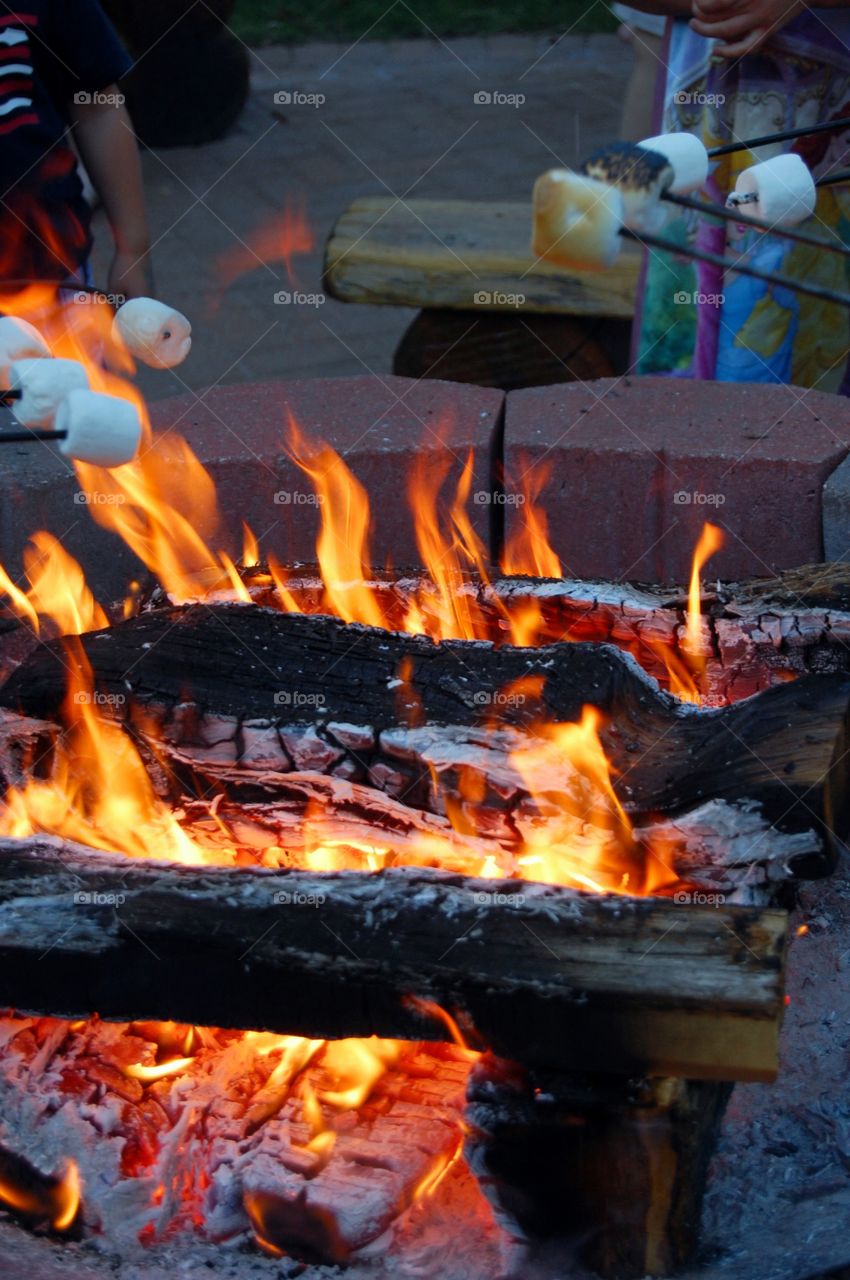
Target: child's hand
741,25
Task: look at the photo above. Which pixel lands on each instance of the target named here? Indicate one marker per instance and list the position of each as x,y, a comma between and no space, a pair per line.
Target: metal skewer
733,215
748,144
24,437
843,175
744,269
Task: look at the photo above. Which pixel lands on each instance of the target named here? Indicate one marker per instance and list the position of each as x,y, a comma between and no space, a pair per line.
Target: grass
273,21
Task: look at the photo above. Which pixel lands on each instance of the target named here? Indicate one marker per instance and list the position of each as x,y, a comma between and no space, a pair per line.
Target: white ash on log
551,977
728,850
221,1149
783,750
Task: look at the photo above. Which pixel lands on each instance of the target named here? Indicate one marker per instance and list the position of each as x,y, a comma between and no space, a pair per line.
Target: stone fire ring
634,467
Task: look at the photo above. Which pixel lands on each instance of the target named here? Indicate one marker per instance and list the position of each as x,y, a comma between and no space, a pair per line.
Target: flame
584,838
98,792
57,589
57,1199
711,539
528,551
342,545
441,1167
684,672
281,239
250,548
148,1073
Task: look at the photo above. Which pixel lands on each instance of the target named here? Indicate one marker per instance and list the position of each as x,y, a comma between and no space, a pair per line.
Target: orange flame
99,792
280,239
684,672
342,545
57,1199
528,551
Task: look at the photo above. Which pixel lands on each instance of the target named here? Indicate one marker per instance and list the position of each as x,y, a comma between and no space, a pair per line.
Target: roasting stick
717,260
805,131
734,215
829,179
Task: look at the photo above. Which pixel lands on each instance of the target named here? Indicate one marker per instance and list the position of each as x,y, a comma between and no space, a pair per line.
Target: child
59,63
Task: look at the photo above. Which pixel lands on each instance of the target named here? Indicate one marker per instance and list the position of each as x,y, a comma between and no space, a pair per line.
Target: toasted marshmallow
576,220
18,340
641,177
103,430
44,384
156,334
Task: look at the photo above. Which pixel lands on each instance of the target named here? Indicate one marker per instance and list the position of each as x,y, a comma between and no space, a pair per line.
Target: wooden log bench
466,264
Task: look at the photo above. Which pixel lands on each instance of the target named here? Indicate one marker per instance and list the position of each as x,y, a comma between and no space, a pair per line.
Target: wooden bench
491,313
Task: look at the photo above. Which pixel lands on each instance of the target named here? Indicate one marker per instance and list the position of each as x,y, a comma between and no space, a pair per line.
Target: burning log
546,976
342,698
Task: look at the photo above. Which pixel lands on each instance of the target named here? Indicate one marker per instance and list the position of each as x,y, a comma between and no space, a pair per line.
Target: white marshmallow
784,189
688,157
576,220
103,430
156,334
18,340
44,384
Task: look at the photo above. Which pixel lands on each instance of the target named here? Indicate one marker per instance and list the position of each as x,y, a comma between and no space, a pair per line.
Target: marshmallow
18,340
157,335
576,220
103,430
688,157
43,384
783,187
639,175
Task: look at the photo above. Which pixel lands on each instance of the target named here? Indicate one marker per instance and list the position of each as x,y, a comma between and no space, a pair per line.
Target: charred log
554,1153
301,674
544,976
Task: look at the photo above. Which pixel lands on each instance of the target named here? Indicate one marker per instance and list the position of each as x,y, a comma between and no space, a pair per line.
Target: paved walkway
398,117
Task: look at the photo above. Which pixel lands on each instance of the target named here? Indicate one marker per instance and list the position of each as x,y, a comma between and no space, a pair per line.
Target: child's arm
107,144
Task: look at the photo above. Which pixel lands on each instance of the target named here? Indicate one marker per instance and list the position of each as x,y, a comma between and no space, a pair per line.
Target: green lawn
267,21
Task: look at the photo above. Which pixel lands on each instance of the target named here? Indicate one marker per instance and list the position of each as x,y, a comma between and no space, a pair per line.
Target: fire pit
413,922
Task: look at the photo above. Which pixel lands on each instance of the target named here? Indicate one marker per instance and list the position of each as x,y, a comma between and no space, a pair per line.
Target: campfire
341,903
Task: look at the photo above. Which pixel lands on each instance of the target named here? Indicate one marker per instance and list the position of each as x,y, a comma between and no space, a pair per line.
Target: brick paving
399,117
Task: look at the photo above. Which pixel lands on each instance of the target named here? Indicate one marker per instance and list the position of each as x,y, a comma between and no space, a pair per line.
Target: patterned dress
697,321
